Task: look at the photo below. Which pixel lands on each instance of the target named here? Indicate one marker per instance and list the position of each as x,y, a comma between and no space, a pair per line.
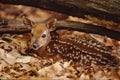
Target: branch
13,27
17,27
88,28
103,9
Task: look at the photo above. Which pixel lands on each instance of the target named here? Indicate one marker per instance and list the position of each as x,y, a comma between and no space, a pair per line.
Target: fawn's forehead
39,29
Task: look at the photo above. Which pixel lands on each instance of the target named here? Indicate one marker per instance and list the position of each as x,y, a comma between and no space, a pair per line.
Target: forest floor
16,64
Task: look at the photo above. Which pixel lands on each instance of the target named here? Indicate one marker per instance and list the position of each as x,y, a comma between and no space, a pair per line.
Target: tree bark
88,28
13,27
103,9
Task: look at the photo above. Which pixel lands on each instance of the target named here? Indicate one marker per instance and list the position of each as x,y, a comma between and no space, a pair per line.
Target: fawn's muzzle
35,46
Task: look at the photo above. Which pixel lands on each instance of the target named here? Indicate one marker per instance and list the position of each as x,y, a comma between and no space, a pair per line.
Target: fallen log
13,27
16,27
88,28
103,9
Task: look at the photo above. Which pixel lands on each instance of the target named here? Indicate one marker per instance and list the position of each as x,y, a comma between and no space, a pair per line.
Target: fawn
84,50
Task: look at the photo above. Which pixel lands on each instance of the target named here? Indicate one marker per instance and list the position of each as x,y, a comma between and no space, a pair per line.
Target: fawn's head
40,33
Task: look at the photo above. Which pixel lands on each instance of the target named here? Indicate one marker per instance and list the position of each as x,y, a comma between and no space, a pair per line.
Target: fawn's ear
27,21
51,24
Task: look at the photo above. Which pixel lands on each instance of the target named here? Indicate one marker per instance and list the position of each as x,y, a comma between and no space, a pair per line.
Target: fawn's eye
44,35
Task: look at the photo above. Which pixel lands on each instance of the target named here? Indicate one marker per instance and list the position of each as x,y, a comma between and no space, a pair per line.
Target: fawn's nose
35,45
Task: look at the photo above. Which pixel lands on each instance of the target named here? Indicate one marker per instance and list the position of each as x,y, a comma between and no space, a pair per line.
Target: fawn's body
84,50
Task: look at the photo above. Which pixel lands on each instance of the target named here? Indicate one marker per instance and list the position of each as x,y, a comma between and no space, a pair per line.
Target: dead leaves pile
14,65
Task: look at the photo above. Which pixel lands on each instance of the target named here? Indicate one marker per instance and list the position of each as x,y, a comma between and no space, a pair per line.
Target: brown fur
38,29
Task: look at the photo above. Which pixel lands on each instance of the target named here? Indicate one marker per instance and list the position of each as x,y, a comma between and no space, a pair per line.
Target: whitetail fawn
84,50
